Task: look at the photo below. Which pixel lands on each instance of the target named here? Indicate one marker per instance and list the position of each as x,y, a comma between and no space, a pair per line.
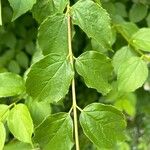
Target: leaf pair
138,38
48,7
131,70
50,78
102,124
90,17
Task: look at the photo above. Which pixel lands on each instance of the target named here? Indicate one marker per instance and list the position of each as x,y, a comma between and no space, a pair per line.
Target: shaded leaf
121,9
148,20
22,59
0,14
14,67
138,12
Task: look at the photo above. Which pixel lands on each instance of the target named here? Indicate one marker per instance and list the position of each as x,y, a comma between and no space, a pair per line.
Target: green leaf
127,103
2,135
138,12
97,1
103,124
22,59
85,143
48,7
6,57
94,21
0,13
37,56
8,39
38,110
14,67
120,9
49,79
60,5
59,132
110,7
20,7
4,111
123,101
53,35
148,20
20,123
122,146
132,74
11,84
127,29
16,145
121,56
95,68
97,47
141,39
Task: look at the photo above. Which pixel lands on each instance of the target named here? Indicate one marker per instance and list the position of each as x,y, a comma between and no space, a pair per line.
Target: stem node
74,105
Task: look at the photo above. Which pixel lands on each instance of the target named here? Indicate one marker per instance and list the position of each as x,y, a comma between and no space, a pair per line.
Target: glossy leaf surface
49,79
95,68
94,21
19,119
52,36
59,132
103,124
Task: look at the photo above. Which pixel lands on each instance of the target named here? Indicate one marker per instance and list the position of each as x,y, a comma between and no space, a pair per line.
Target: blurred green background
18,50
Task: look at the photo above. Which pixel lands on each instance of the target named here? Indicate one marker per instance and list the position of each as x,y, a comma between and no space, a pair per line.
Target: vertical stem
0,13
73,84
75,115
